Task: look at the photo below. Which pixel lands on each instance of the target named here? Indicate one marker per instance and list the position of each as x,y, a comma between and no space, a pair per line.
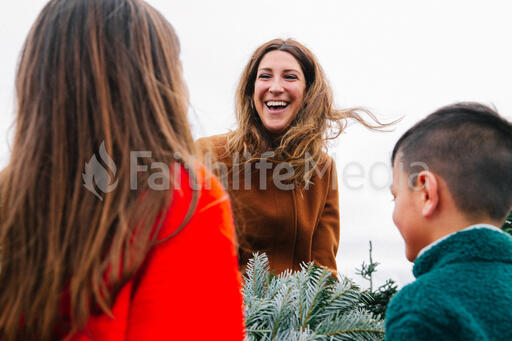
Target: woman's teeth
276,104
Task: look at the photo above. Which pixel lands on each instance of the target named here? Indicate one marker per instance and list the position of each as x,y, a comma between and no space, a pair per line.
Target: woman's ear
428,187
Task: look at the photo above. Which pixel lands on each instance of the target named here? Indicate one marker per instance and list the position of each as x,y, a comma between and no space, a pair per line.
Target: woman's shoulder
212,141
325,161
212,147
323,172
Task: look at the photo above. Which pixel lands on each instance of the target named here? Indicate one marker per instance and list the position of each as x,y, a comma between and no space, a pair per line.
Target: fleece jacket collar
476,244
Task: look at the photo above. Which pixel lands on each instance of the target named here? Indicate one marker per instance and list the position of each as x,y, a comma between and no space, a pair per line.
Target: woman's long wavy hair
306,138
90,72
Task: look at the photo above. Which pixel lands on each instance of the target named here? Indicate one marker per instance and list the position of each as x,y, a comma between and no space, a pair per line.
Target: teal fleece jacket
462,291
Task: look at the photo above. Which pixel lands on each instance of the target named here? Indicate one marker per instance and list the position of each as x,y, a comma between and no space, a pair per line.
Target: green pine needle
305,305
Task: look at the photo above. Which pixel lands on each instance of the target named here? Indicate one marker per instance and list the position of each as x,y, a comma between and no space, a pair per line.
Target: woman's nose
276,86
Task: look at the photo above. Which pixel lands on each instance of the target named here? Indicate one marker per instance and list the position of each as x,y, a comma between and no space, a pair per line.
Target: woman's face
278,90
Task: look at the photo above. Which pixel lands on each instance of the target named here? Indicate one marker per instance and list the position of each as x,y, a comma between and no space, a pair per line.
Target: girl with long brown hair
282,183
114,249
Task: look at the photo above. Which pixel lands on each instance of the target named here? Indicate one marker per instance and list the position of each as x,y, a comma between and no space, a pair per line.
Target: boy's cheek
410,239
397,221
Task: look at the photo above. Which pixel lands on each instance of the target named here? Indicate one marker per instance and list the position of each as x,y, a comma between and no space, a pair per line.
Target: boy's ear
428,186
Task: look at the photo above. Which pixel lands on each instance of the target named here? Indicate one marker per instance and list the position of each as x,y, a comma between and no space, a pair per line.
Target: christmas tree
379,298
309,304
507,226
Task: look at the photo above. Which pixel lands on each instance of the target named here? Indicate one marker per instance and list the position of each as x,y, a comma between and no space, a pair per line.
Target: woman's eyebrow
286,70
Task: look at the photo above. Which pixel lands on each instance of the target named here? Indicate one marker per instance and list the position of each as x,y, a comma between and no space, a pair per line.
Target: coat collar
477,243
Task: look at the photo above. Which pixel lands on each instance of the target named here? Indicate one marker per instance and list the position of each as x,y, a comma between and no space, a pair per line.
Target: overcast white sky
396,58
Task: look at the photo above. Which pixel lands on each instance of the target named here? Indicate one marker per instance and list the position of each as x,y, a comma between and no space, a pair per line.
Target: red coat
190,286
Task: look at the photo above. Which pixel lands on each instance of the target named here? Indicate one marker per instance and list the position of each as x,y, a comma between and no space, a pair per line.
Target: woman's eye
290,77
264,76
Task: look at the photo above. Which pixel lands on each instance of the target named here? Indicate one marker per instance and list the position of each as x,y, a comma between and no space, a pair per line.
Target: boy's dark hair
470,146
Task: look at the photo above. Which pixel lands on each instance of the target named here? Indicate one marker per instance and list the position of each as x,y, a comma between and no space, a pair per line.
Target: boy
452,184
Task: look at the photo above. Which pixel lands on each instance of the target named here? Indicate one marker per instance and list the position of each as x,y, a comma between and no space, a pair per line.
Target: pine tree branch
306,305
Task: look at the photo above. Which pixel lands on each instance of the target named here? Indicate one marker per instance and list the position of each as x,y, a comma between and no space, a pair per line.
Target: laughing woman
282,183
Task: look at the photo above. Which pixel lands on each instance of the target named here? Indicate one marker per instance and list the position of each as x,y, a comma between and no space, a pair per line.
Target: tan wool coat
290,225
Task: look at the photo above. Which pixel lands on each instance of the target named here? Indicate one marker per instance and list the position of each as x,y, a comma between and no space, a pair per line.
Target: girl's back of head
91,72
